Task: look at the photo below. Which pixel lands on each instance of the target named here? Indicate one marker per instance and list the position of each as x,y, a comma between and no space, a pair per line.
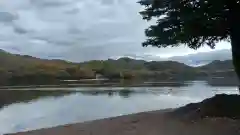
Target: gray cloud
50,3
78,30
7,17
19,30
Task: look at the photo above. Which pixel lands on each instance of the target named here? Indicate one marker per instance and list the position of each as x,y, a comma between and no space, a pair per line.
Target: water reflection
223,82
34,109
9,97
125,93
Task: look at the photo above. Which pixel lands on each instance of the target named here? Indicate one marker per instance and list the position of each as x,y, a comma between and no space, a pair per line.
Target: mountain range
18,69
196,59
203,58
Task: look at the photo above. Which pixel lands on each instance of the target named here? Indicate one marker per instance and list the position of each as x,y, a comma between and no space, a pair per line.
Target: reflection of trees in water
14,96
227,81
97,92
110,93
123,93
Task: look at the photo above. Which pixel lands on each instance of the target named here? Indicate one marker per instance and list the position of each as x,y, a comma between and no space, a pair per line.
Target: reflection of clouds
77,107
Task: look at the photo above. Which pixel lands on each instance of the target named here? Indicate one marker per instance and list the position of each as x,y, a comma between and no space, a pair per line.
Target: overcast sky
78,30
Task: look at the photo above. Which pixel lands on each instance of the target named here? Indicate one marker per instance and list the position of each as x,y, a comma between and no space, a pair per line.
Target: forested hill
218,65
14,61
21,69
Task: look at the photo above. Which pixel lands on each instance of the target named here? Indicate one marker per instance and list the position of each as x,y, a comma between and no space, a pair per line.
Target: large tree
194,23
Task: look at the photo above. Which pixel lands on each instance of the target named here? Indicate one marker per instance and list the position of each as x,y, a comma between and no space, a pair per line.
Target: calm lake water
23,110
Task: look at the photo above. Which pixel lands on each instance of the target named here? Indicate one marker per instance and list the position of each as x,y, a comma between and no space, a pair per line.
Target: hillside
218,65
203,58
15,61
24,70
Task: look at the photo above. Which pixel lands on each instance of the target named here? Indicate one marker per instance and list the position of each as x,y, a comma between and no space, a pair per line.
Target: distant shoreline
212,82
153,84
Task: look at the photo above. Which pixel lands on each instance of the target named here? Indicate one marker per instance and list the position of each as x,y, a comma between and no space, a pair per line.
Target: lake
23,110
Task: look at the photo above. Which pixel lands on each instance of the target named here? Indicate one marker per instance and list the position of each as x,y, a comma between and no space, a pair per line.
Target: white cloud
77,30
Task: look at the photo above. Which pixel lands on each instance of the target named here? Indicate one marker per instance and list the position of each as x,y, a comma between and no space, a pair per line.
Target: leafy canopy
190,22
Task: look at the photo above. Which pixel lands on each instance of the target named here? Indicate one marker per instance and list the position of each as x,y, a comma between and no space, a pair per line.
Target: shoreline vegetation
218,82
219,115
135,82
22,70
61,86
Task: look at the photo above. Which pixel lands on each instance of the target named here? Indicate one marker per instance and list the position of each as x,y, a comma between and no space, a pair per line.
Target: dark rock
225,106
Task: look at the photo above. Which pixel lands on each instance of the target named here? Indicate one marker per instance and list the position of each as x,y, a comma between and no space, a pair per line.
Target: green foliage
191,22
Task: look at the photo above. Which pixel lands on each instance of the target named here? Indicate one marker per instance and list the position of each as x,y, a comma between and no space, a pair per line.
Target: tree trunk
234,22
235,43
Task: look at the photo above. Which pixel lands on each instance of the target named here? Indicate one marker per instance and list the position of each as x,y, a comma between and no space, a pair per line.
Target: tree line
123,68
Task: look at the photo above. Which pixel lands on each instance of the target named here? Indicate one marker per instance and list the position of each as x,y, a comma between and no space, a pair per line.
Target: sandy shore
148,123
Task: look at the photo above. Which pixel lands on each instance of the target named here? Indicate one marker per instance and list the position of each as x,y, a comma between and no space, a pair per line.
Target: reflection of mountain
203,58
13,96
226,81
